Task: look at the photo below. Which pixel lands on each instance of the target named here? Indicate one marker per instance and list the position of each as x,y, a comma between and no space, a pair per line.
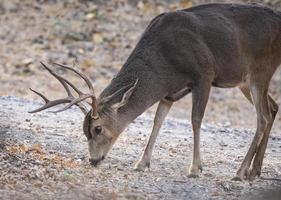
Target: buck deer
221,45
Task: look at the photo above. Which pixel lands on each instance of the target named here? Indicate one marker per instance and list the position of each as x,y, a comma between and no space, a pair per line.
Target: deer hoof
242,174
237,178
194,171
141,166
193,175
253,174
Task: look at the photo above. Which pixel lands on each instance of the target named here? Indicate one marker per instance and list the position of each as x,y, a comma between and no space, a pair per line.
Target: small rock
173,150
27,61
223,144
73,36
91,16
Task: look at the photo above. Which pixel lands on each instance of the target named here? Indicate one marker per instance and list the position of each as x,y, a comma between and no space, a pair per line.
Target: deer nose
95,162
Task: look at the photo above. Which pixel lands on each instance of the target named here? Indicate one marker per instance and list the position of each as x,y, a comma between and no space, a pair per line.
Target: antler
70,97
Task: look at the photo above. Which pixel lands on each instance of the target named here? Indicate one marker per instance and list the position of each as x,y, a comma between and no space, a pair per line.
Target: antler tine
83,76
74,102
48,103
61,80
69,99
89,84
65,84
83,108
41,95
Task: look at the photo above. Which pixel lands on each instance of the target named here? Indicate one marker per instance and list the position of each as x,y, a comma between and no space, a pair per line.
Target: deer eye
98,129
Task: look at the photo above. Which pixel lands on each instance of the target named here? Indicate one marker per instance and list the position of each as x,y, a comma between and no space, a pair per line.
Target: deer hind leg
260,100
200,96
257,163
162,111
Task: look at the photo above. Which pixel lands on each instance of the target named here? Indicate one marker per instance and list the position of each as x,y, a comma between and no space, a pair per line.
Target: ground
44,156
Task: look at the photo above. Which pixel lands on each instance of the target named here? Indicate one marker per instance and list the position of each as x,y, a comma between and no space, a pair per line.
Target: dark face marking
87,126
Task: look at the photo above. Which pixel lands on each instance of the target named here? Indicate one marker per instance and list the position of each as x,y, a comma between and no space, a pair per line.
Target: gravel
44,156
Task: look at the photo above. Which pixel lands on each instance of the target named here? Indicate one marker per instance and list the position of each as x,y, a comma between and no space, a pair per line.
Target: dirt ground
45,156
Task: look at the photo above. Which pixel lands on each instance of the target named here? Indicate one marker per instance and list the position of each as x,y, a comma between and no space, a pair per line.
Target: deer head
101,125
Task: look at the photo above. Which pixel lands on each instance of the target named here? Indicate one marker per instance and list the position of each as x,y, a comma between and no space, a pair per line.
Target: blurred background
100,35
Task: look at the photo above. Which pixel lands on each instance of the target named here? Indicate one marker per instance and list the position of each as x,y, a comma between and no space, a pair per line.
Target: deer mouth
96,162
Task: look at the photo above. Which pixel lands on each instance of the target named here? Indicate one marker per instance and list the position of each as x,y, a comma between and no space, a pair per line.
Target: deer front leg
200,96
162,111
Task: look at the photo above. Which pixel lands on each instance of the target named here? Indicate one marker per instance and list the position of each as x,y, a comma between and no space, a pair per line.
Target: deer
181,52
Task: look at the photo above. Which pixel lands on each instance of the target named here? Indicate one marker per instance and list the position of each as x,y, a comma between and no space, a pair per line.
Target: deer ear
126,97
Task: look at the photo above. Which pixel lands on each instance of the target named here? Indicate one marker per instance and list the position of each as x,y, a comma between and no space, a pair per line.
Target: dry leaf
185,3
87,63
98,38
12,150
145,7
23,148
37,148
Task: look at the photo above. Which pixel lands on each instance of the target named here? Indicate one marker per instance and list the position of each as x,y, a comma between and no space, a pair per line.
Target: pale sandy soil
44,156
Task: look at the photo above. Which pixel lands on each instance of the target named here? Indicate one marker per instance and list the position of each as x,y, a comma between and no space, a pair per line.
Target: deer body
221,45
167,57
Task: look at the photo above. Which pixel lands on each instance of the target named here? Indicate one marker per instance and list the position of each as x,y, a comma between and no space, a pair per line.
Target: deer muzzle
95,162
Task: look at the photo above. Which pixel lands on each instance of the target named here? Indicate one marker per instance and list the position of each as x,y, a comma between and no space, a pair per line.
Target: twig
179,181
271,179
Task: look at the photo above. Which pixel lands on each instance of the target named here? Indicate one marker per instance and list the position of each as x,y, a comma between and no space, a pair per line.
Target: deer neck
147,92
142,98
